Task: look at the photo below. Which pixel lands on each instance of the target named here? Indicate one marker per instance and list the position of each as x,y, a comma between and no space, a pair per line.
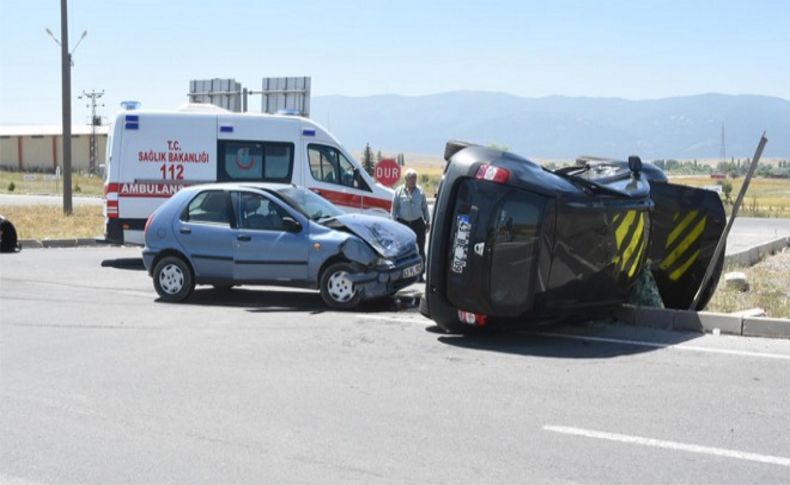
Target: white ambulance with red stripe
153,154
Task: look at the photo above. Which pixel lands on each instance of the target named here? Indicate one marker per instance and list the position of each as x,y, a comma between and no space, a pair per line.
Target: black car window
516,227
328,164
254,211
209,207
254,160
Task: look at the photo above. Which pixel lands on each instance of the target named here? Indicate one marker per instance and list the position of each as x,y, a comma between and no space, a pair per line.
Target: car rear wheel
337,288
173,279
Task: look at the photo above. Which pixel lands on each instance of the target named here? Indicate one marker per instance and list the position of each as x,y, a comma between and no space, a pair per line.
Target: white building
39,148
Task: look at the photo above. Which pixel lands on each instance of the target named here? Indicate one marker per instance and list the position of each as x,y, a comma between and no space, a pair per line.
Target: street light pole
65,67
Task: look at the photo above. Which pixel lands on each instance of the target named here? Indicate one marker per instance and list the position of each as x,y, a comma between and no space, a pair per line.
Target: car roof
241,186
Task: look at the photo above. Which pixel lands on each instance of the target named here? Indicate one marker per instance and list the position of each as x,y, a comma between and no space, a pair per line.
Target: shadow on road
581,342
135,264
260,300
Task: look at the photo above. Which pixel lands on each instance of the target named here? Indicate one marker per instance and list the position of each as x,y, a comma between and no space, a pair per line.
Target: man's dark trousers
418,226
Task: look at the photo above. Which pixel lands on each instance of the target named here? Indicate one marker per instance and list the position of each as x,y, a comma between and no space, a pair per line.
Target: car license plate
412,271
461,243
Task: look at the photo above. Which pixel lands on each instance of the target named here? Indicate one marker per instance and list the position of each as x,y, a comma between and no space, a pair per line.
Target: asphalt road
100,383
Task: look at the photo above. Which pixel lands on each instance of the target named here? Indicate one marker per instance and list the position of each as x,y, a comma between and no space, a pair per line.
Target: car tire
337,290
173,279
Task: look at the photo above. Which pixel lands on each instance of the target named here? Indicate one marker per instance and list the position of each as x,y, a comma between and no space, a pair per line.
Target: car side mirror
635,165
291,225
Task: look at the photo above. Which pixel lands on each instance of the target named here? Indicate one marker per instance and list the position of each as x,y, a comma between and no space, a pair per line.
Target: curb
705,322
58,243
753,255
684,320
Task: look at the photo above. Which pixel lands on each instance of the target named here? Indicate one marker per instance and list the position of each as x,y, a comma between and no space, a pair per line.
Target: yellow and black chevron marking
631,242
684,241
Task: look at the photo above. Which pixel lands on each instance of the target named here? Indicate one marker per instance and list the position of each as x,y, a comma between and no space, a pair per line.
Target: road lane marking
670,445
644,343
610,340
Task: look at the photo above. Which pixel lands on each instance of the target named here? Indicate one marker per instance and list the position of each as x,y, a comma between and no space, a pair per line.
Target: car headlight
386,263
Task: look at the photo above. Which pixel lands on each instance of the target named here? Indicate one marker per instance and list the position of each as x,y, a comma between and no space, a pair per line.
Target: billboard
286,94
225,93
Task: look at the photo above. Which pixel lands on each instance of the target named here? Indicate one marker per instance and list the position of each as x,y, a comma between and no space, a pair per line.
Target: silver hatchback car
274,234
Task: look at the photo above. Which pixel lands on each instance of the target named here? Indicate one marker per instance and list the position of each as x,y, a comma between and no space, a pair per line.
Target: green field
48,184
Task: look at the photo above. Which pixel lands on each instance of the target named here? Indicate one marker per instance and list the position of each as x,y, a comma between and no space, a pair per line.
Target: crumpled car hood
389,238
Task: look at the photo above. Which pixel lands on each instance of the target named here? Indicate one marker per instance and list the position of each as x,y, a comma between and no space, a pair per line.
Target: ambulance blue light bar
130,105
308,132
226,129
132,122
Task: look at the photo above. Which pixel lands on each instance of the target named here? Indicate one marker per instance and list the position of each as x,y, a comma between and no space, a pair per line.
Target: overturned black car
516,245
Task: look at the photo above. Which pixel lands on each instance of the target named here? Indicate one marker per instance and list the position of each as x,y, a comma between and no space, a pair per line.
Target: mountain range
561,127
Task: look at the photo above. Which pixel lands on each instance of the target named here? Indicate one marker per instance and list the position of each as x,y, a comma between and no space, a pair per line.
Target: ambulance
153,154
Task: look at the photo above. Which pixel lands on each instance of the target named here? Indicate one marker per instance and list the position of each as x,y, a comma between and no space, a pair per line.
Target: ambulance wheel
337,289
173,279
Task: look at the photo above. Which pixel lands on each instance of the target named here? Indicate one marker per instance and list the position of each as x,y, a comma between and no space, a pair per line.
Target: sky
149,50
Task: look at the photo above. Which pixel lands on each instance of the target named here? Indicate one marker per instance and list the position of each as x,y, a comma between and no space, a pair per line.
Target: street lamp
71,61
65,68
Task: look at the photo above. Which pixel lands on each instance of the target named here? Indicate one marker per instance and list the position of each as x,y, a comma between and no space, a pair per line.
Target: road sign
387,172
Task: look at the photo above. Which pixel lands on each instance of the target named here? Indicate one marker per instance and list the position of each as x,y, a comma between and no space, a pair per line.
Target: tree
367,159
726,188
401,158
378,156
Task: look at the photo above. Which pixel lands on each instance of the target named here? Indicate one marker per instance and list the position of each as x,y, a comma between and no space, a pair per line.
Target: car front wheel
337,289
173,279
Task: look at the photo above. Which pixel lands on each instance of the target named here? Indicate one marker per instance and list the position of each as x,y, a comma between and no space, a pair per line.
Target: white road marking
639,343
643,343
670,445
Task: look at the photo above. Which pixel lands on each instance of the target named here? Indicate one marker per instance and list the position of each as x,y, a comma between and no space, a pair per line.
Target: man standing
410,208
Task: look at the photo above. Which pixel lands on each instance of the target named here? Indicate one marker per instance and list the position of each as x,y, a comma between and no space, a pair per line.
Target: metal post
65,67
720,245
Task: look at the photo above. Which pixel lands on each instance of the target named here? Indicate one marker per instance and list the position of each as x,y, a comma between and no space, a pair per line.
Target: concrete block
766,327
659,318
59,243
754,254
731,324
687,321
751,312
30,243
625,314
736,280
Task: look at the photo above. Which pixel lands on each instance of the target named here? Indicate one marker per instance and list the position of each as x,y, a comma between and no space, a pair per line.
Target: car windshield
313,206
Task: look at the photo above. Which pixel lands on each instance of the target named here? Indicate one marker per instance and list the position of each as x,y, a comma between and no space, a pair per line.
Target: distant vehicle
517,245
275,234
8,236
153,154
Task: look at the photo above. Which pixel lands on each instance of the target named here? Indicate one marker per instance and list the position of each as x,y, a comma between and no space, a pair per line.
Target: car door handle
185,230
244,237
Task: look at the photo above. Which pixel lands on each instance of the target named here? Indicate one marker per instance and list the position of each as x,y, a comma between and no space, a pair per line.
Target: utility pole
65,68
95,121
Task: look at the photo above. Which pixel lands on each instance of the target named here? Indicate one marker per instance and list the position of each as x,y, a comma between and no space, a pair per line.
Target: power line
95,121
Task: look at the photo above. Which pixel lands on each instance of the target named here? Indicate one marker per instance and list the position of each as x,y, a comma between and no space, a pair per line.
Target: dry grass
769,289
48,222
47,184
766,197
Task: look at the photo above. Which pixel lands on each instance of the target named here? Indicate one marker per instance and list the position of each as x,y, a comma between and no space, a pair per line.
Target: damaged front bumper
385,280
